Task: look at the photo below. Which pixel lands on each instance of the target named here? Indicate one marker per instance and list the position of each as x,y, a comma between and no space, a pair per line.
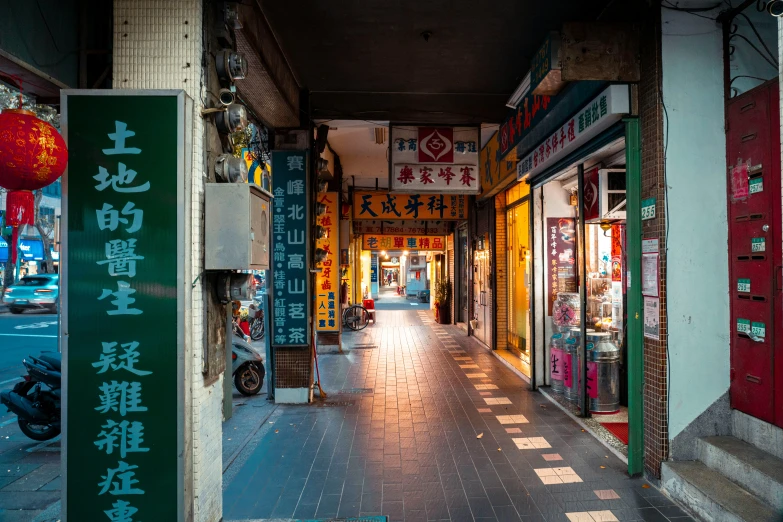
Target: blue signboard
374,269
29,250
291,308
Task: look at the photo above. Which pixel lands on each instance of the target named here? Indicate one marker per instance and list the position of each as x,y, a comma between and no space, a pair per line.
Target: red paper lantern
32,156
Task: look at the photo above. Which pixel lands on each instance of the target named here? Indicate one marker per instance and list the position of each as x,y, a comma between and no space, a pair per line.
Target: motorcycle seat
54,359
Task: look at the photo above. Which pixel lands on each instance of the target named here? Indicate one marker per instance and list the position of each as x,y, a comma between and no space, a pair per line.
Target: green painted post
635,316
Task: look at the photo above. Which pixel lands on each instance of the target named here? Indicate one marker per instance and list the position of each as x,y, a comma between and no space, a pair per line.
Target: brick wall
158,45
656,432
501,272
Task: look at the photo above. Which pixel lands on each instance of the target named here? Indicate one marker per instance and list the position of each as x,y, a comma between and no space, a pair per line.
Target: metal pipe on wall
584,404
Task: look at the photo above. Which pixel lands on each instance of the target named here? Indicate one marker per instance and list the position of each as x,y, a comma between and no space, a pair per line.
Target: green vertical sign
123,273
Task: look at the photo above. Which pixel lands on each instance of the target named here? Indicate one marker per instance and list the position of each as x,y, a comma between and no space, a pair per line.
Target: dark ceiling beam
270,87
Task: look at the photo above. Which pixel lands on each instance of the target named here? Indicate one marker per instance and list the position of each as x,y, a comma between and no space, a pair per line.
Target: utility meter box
237,223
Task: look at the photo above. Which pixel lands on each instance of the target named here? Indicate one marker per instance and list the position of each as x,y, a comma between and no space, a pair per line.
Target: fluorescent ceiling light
519,93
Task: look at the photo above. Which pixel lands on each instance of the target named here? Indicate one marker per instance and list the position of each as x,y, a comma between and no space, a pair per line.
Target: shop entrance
583,271
755,256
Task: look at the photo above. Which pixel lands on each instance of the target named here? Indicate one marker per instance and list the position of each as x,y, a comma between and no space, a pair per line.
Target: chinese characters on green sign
123,282
289,231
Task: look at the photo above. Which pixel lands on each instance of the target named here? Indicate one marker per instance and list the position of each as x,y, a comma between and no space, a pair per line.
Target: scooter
36,400
247,364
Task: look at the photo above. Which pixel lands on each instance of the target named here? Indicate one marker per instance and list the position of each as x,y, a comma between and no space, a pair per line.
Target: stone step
711,496
767,437
755,470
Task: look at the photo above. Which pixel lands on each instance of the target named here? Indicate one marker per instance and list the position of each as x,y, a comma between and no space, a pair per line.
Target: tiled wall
158,45
656,433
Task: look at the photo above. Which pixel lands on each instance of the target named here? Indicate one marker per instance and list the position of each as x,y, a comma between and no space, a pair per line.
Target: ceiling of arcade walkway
370,60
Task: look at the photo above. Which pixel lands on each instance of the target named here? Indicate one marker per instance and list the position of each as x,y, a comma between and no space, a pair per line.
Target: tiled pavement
407,433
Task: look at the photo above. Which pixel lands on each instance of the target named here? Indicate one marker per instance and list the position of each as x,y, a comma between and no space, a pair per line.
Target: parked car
33,292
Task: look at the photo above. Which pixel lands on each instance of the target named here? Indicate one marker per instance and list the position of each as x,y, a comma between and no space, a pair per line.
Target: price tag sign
648,209
743,285
756,186
758,244
758,329
743,326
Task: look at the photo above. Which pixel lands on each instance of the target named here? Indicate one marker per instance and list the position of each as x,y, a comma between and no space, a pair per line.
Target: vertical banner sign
289,231
328,280
374,269
561,245
123,322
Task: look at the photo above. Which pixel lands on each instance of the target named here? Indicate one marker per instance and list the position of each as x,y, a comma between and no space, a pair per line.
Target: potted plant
442,300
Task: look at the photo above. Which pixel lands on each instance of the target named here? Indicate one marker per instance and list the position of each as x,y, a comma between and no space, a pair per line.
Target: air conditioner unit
604,193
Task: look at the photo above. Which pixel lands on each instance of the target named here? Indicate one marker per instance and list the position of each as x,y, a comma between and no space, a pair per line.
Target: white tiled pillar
158,45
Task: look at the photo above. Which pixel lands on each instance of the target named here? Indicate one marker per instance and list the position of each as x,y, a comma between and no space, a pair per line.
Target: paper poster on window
652,318
650,275
561,256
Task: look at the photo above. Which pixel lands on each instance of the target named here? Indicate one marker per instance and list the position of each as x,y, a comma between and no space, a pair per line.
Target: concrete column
158,45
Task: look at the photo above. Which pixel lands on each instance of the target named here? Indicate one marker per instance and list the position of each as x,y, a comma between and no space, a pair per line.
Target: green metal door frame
633,196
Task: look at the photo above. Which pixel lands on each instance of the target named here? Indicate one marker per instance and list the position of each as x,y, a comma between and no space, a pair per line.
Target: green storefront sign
123,318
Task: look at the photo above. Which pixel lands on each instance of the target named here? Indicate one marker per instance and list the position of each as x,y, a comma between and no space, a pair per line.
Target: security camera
226,97
775,8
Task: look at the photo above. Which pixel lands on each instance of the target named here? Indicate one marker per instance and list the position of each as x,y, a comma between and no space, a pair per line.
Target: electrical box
237,226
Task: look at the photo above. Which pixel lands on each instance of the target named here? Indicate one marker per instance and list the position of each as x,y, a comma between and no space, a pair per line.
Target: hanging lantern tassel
20,210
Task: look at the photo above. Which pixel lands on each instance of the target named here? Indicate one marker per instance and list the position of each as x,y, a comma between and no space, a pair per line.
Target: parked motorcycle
247,366
36,400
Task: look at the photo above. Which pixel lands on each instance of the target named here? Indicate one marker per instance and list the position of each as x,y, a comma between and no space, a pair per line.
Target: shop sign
561,245
401,242
545,67
291,219
758,244
743,285
591,195
652,318
494,169
520,121
435,159
31,250
374,269
327,281
411,228
383,206
648,209
597,116
124,291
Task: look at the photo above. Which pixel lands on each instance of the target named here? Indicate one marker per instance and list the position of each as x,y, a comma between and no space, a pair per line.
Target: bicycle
356,317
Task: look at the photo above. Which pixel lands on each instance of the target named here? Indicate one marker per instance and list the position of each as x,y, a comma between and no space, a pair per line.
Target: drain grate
357,391
364,347
359,519
336,404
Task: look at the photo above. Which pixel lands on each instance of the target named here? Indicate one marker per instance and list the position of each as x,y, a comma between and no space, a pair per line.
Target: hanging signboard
383,206
393,242
123,290
606,109
291,218
495,173
434,159
561,246
411,228
328,280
